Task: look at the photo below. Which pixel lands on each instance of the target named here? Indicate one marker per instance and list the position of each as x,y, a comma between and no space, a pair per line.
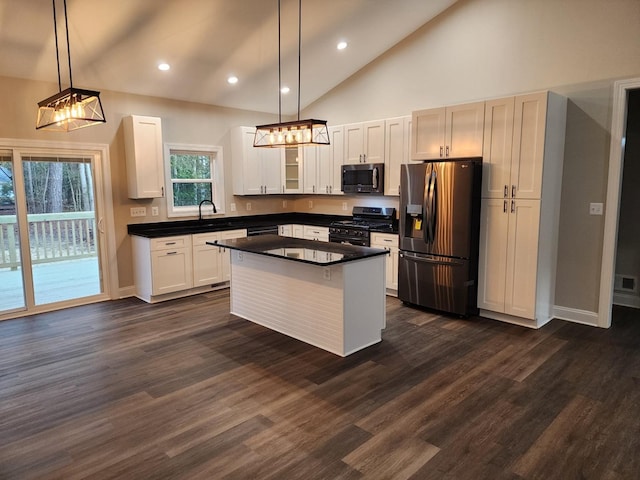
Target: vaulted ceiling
117,45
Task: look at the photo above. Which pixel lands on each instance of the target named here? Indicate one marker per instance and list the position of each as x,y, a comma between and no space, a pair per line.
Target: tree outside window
194,175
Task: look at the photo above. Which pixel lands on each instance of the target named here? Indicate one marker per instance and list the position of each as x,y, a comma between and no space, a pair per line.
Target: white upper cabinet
529,122
256,171
514,143
397,133
364,142
336,156
292,170
322,165
496,156
144,156
310,160
448,132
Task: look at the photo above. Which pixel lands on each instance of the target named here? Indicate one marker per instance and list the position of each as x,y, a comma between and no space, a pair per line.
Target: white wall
481,49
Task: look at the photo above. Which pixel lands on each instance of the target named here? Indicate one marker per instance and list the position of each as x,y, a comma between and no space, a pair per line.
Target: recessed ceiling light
232,79
164,67
342,45
285,89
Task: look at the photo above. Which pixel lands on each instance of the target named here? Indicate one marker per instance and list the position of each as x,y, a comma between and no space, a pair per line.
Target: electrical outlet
326,273
248,206
138,211
344,206
154,211
233,207
310,203
595,209
284,204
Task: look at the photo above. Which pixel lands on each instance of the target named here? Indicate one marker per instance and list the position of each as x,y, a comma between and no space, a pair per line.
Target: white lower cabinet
316,233
390,243
172,267
161,265
509,254
225,256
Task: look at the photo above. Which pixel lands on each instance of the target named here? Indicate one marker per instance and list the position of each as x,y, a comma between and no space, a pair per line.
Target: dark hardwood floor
185,390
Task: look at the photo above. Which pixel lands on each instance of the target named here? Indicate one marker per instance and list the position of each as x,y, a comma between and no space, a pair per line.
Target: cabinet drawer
202,238
384,239
167,243
228,234
315,231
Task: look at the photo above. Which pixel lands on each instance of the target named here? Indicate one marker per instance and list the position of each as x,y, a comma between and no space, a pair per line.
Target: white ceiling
117,44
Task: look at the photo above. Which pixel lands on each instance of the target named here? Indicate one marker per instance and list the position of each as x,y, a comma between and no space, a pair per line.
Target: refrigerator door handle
434,205
426,212
430,260
375,178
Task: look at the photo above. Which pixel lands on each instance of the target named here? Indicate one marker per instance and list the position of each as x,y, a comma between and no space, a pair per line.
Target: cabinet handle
171,253
506,191
169,243
504,207
282,188
441,151
162,191
314,189
513,206
447,151
364,158
513,191
330,188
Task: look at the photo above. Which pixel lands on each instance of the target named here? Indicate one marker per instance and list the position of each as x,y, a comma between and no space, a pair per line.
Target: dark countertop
301,250
188,227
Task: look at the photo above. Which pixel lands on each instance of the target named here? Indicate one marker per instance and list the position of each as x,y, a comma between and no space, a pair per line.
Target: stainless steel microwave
363,178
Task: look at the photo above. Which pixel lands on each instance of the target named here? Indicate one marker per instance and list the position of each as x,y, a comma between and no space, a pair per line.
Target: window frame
217,181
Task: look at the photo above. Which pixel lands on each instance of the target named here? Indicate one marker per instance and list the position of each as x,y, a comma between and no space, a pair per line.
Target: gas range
365,219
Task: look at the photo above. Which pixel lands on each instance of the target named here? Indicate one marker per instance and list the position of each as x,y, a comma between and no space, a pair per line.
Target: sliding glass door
11,277
50,237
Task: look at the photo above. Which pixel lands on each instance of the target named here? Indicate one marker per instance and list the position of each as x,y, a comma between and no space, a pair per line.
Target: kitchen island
329,295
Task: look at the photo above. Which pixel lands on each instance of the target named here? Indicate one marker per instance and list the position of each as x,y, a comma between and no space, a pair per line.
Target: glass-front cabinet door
292,170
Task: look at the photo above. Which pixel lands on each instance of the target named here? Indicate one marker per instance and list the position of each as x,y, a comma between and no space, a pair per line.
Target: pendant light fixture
71,108
296,132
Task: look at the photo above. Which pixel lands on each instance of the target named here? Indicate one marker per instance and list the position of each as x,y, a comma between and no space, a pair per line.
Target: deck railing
52,237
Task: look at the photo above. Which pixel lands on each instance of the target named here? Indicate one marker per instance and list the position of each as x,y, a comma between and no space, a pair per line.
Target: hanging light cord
55,32
279,71
299,43
66,26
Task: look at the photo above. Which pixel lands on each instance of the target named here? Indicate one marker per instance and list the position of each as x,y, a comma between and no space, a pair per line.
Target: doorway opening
625,95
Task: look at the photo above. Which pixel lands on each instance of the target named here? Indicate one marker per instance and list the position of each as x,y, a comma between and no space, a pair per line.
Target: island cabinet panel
339,308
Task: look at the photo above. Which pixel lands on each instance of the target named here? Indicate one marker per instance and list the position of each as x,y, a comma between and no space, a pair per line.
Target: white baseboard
626,300
577,316
126,292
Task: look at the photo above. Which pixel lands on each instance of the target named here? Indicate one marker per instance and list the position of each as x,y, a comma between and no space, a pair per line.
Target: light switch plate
233,207
248,206
344,206
154,211
595,209
310,203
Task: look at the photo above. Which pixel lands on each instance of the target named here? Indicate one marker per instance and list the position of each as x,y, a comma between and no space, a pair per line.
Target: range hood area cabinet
256,171
144,156
448,132
364,142
522,177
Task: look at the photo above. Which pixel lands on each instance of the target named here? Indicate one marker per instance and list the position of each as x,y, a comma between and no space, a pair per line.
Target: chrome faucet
200,208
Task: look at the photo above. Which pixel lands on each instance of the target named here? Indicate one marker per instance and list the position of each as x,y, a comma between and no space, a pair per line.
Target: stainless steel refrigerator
439,235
